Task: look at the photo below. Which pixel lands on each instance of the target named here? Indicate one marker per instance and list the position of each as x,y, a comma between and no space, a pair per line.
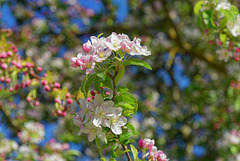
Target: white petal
80,132
118,111
101,136
122,121
107,122
116,129
91,136
97,121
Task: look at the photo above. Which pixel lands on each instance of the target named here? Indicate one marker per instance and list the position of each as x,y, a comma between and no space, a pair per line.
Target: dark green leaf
120,75
97,82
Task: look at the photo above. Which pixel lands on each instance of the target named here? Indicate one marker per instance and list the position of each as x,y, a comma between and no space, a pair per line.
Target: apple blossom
223,54
93,131
223,5
87,47
115,122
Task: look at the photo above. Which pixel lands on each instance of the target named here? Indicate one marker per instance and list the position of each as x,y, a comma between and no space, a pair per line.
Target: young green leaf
130,127
125,136
197,7
112,151
135,153
137,62
120,75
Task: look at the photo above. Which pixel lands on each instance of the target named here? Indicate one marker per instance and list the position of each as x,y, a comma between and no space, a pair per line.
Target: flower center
101,55
88,65
115,44
101,114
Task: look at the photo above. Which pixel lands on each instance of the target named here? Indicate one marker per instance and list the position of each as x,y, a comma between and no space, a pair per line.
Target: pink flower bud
65,108
92,93
69,101
57,100
237,50
65,146
87,46
89,99
29,99
45,75
8,80
36,103
67,95
140,143
43,82
107,93
57,85
19,65
28,65
102,88
47,88
9,53
236,58
39,69
59,112
2,79
3,55
210,42
4,66
98,92
11,89
14,62
64,114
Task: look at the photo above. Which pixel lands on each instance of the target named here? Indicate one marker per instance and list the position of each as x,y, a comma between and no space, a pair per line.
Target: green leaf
103,159
101,73
120,75
130,127
87,83
197,7
120,152
128,141
137,62
223,38
125,136
223,22
229,15
122,89
112,151
96,83
234,10
135,153
107,82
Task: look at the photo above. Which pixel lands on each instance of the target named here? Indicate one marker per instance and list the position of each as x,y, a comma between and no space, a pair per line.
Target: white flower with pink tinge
115,122
146,143
102,110
84,61
157,155
114,42
93,132
101,53
137,49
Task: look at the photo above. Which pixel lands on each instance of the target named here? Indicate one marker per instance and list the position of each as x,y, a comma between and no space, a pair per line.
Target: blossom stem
128,156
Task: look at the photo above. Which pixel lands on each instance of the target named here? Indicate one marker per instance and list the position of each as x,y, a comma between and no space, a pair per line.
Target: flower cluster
99,49
32,132
7,146
56,146
97,114
154,154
